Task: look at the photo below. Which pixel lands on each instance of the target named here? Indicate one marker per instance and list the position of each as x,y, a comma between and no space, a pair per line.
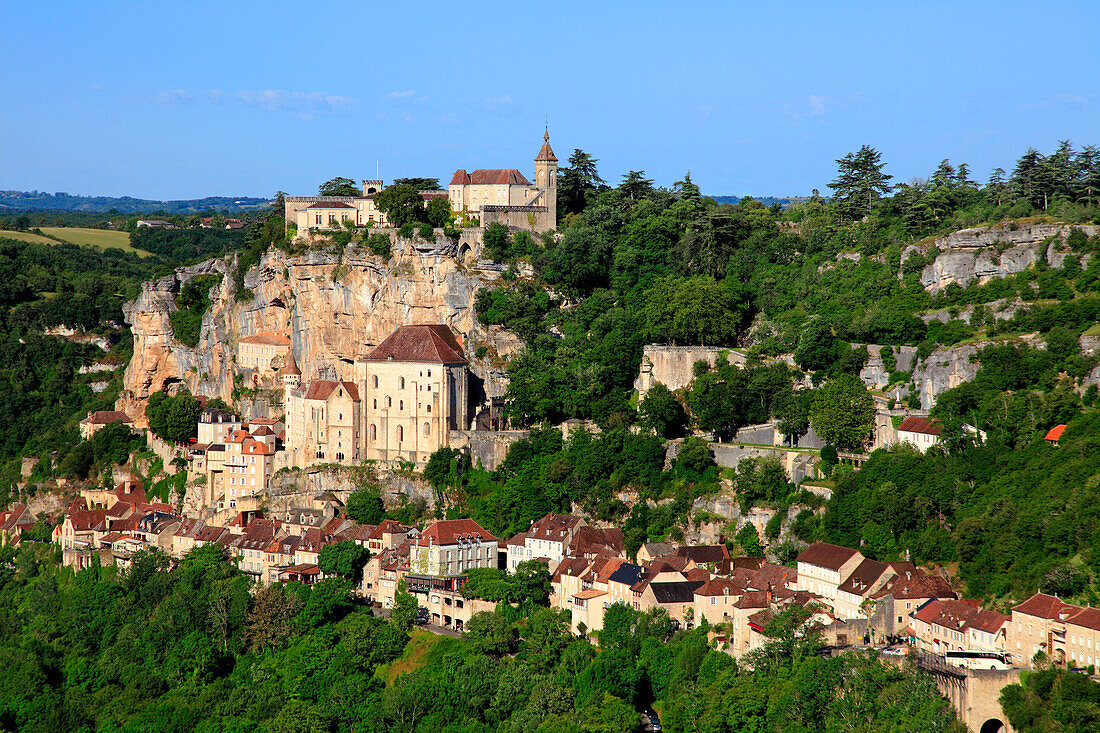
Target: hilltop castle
505,195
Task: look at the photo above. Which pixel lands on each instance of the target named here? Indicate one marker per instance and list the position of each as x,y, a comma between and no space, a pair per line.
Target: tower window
400,433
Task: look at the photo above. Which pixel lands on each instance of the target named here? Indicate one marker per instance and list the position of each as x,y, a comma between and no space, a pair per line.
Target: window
376,381
429,407
389,402
373,433
400,433
429,372
401,404
402,383
427,429
317,220
429,388
376,404
340,416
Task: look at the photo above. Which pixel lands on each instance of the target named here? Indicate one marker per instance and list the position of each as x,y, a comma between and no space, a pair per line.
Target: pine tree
995,188
860,178
1087,175
1026,178
944,175
635,185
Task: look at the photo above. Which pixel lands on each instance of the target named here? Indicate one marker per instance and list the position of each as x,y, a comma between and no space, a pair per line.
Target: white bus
973,659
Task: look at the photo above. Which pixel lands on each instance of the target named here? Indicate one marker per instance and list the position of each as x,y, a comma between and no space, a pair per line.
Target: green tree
843,412
860,180
345,558
635,185
339,187
438,212
420,184
578,182
401,203
365,506
749,540
173,418
662,412
403,613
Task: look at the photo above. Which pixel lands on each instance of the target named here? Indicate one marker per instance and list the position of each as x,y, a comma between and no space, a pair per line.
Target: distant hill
766,200
12,201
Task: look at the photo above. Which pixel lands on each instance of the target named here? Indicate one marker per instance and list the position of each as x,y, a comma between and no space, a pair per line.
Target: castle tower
291,376
546,176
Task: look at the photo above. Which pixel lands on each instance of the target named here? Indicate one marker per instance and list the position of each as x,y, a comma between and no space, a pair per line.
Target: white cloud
170,97
306,105
407,97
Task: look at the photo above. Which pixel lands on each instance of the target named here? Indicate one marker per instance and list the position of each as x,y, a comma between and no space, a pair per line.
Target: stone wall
673,366
487,447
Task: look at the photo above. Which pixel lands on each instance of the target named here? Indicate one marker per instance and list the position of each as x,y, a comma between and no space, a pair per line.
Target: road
438,630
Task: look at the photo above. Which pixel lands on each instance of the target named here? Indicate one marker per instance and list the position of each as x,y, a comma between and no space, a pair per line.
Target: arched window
389,402
427,429
429,372
373,433
376,404
400,433
402,383
429,407
401,404
376,381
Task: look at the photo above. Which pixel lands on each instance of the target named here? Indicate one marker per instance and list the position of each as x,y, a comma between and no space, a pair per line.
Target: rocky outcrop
334,308
985,253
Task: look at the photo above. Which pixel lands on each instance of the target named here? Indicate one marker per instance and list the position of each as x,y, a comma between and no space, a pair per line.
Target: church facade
407,394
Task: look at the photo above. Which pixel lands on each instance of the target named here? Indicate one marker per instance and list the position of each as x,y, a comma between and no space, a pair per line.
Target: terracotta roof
490,176
431,344
103,417
704,553
697,574
270,338
753,599
917,586
546,152
1088,618
1046,606
263,431
826,555
866,574
255,448
291,366
517,540
590,593
772,577
720,587
914,424
1055,433
320,389
330,205
553,527
450,531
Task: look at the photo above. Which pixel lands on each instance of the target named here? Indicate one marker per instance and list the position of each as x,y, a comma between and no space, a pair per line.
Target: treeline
636,263
183,245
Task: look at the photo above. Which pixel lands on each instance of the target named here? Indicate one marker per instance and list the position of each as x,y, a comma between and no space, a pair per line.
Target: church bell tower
546,176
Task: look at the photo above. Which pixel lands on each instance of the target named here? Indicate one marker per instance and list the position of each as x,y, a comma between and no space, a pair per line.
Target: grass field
414,657
25,237
100,238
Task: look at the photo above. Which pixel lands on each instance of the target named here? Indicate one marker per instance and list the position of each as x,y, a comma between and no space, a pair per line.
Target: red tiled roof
914,424
826,555
1046,606
917,586
103,417
1055,433
330,205
490,176
1088,618
431,344
866,574
448,532
270,338
553,527
320,389
546,152
720,587
704,553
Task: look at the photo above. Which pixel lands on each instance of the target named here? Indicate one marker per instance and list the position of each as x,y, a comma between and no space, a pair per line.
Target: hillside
24,201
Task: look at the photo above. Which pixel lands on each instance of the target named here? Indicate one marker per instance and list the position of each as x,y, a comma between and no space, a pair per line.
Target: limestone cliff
333,307
981,254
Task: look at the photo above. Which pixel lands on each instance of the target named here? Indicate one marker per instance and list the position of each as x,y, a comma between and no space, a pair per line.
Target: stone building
452,547
416,390
322,420
263,352
505,195
407,395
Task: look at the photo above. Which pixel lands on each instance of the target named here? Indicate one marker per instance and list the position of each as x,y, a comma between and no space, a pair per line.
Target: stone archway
992,726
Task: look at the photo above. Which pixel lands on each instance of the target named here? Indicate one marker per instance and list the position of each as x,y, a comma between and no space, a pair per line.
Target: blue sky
173,100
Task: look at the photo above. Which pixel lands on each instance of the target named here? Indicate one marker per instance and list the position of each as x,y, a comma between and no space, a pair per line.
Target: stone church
408,393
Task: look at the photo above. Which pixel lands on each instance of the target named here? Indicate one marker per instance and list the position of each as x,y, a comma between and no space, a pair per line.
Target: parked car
422,616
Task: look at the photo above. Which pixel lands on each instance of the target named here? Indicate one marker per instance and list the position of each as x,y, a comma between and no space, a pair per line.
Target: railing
939,665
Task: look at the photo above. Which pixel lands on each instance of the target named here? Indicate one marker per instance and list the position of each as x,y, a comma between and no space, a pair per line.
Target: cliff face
333,308
975,256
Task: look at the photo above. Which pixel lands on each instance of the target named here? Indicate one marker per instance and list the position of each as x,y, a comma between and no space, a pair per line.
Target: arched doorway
992,726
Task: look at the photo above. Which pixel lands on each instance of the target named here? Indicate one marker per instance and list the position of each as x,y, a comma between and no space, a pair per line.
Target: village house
1065,632
215,425
903,594
322,419
861,585
452,547
100,419
262,353
822,567
941,626
920,432
14,522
